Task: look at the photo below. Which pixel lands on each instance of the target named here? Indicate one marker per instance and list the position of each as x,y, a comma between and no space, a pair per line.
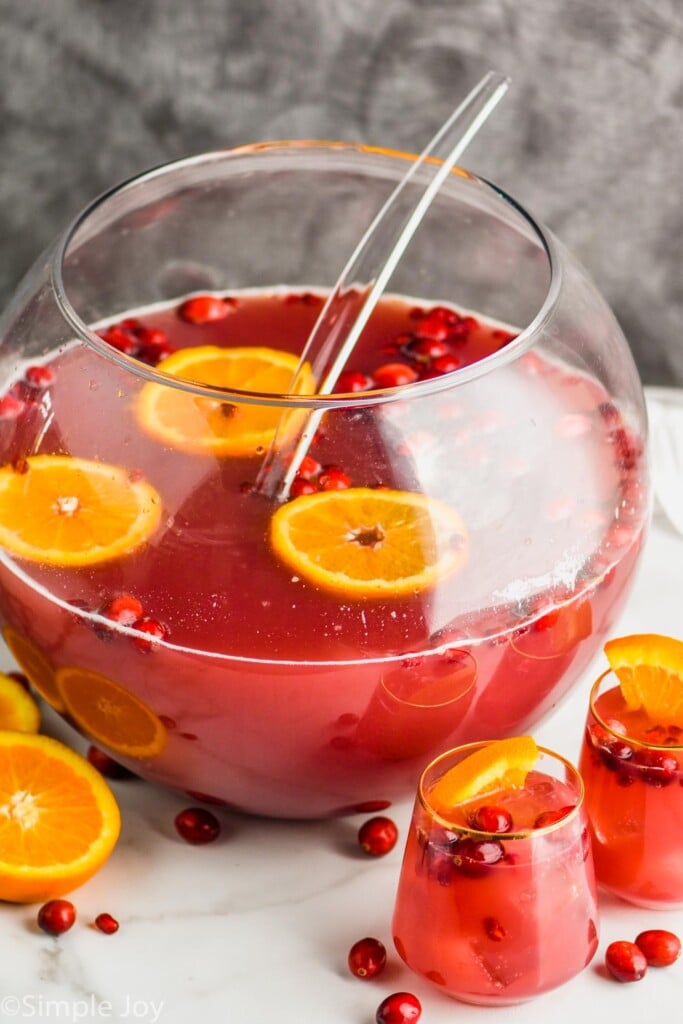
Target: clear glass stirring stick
365,277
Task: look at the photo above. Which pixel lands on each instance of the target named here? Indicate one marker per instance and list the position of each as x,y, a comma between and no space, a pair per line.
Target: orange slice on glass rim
34,665
58,818
501,764
649,668
18,710
67,511
369,543
208,426
110,714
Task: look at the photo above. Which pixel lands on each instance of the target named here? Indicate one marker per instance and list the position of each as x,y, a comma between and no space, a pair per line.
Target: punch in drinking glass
500,917
633,772
455,547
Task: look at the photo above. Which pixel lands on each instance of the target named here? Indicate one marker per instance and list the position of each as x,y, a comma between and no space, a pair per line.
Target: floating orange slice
58,818
34,665
650,672
72,512
18,710
110,714
203,425
369,543
502,764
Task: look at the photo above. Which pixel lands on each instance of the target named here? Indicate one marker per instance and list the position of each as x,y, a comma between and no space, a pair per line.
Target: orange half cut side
649,668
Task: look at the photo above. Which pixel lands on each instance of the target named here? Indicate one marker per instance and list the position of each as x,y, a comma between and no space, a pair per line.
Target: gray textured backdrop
589,138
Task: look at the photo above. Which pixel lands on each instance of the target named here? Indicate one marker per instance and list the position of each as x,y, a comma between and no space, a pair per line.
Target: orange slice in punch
18,710
502,764
58,819
649,668
110,714
73,512
34,665
211,427
369,543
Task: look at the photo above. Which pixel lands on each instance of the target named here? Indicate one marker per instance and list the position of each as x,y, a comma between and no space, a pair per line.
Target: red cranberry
120,339
446,364
425,349
474,857
378,836
152,631
106,765
394,375
492,819
124,609
106,923
308,468
11,408
197,826
657,767
334,480
494,929
546,818
204,309
367,958
300,486
434,326
351,381
625,961
56,916
39,376
398,1008
660,948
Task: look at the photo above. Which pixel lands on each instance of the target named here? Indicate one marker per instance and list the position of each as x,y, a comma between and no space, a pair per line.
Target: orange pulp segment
68,511
34,665
205,425
649,668
369,543
502,764
58,818
18,710
110,714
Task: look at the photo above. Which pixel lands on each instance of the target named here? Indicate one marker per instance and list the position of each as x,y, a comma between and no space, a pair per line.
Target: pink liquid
634,798
505,931
284,699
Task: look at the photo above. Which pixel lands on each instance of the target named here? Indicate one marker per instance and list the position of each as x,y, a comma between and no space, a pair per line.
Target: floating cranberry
351,381
367,958
120,339
204,309
394,375
424,349
625,961
308,468
436,325
474,857
106,923
446,364
153,632
399,1008
300,486
492,819
378,836
334,479
106,765
660,948
656,767
11,408
56,916
39,377
546,818
124,609
197,826
494,929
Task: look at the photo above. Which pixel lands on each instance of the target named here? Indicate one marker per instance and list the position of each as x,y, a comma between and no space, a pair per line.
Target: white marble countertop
256,927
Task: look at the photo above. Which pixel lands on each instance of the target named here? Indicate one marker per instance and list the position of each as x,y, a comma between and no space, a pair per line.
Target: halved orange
204,425
110,714
369,543
34,665
72,512
501,764
58,818
18,710
649,668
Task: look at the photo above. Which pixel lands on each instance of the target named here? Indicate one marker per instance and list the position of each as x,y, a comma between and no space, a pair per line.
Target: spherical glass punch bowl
192,650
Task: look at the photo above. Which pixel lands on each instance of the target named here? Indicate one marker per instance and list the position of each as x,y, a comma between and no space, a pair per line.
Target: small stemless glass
496,919
633,773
